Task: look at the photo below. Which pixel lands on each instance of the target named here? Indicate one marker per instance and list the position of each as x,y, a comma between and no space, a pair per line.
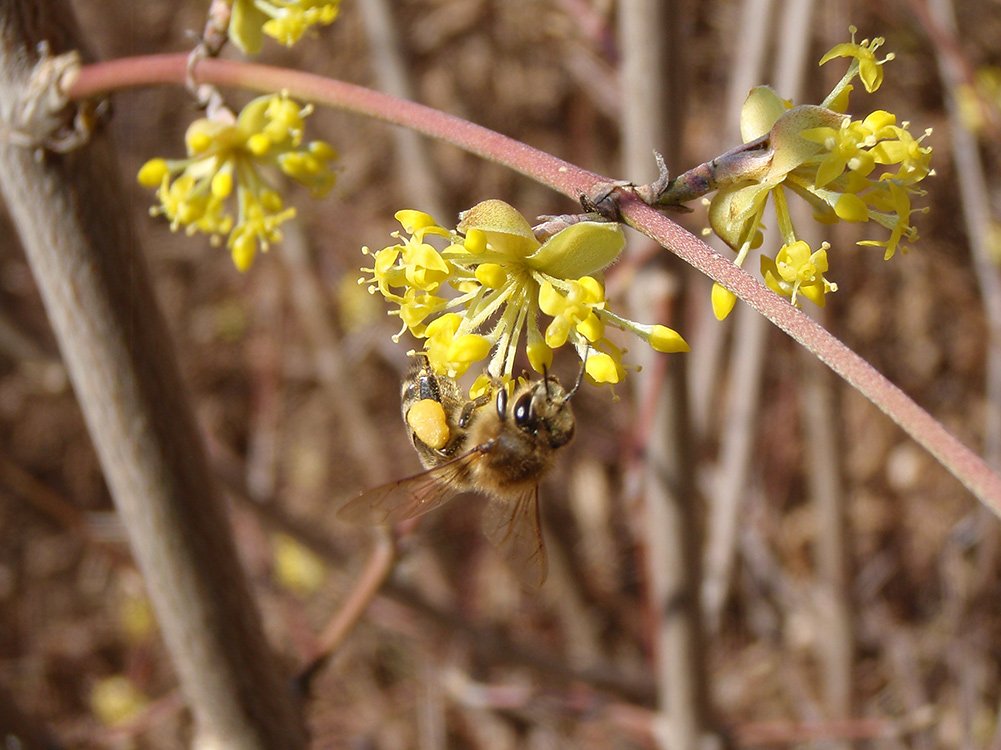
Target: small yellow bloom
906,150
798,271
297,568
602,368
451,351
284,20
980,101
228,157
115,700
723,301
666,340
491,275
135,616
870,70
151,173
573,308
894,202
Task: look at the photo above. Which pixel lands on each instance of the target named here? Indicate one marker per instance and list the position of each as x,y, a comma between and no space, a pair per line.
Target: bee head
541,409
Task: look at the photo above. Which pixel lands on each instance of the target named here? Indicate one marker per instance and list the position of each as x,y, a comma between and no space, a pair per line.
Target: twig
377,569
823,476
264,357
822,468
974,195
310,305
787,734
977,218
741,408
746,69
117,351
937,20
652,109
729,487
43,498
747,365
415,172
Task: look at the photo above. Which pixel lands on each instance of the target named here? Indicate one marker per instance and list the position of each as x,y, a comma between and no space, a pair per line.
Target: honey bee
500,451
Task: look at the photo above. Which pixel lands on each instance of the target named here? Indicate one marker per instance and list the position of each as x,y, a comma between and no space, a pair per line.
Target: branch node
43,117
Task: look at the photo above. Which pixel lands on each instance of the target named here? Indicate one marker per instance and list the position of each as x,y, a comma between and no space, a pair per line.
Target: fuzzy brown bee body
500,449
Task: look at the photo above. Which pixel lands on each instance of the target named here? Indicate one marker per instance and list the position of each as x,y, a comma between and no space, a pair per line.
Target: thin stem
562,176
974,191
572,181
118,352
653,102
414,167
377,569
727,499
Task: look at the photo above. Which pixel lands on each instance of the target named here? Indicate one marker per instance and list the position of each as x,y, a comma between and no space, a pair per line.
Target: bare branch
68,211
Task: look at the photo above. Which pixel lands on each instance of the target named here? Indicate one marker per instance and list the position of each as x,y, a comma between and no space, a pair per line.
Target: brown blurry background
457,653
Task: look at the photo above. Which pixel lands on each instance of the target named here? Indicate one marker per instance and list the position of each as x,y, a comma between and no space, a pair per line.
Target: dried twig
117,350
652,96
415,170
373,576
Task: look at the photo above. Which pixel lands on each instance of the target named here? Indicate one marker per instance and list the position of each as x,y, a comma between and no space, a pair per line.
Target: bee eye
502,404
524,416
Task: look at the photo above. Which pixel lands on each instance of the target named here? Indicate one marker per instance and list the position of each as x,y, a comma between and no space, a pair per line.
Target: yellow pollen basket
427,419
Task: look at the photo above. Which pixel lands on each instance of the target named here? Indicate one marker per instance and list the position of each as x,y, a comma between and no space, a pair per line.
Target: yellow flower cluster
847,170
283,20
486,285
195,192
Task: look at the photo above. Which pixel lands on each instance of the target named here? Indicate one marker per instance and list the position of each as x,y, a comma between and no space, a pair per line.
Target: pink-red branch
970,469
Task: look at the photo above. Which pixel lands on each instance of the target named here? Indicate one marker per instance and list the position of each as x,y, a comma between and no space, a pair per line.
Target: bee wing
412,496
512,525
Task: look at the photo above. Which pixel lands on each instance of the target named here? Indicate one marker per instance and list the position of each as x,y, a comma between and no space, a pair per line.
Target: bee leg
470,406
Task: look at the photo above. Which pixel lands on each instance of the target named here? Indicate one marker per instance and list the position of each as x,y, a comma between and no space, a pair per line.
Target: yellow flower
893,202
864,62
450,350
283,20
195,192
502,279
115,700
850,146
906,150
723,301
297,568
796,270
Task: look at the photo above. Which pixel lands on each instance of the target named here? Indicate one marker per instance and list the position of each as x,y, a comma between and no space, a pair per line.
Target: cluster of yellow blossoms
502,279
283,20
227,154
829,160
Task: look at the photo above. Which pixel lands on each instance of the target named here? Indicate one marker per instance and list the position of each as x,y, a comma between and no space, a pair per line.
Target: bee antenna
545,381
580,375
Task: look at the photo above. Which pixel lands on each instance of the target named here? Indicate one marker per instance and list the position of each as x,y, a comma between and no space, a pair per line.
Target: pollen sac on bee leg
428,421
